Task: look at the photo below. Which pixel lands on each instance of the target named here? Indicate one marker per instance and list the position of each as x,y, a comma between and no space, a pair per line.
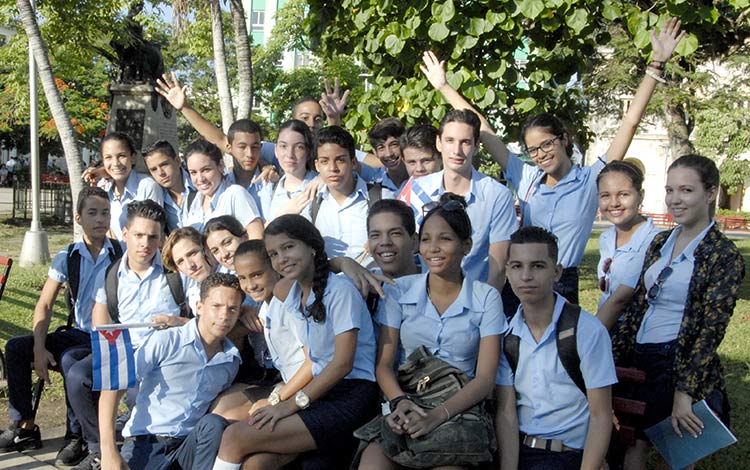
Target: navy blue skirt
333,418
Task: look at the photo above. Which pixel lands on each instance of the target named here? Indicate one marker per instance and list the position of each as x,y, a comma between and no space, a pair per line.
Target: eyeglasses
655,290
545,146
604,282
448,206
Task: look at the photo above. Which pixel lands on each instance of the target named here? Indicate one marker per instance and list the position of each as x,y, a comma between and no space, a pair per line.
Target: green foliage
478,40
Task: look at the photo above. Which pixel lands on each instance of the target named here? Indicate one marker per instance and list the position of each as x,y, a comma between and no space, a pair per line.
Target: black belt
552,445
151,438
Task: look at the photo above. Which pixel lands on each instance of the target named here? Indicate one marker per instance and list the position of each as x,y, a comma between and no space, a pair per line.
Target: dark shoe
91,462
73,452
17,439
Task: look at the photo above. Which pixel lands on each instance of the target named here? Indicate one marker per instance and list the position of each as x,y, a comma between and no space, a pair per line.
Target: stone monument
137,109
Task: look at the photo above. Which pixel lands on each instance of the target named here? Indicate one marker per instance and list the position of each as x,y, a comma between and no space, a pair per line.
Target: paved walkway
41,459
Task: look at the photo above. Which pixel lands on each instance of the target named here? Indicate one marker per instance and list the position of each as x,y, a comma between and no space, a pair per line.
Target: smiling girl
622,247
682,304
216,196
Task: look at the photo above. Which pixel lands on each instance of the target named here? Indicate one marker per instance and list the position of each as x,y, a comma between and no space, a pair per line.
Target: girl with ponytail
332,321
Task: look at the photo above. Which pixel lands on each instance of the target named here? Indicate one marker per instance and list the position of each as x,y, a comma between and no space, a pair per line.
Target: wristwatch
301,400
274,398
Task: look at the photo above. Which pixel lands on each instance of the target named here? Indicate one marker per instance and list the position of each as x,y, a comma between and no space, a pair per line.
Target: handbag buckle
422,384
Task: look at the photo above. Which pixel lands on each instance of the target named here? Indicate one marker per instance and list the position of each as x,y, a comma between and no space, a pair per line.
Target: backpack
74,276
374,194
111,284
567,349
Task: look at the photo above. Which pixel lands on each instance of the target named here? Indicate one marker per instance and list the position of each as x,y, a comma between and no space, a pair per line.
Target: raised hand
172,91
333,102
433,69
664,43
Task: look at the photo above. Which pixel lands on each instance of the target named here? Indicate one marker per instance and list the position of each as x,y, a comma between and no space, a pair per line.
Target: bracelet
657,64
655,76
447,413
394,403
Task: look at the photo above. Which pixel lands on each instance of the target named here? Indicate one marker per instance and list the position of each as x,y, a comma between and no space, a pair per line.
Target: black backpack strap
116,250
374,193
511,347
315,207
74,279
191,197
174,281
567,347
111,283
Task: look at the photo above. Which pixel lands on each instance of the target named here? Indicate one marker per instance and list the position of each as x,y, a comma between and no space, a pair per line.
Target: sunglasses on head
446,206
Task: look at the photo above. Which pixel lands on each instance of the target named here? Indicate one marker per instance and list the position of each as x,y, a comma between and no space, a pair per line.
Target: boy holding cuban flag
142,295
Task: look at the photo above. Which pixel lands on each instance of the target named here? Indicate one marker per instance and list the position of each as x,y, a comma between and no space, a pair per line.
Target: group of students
265,357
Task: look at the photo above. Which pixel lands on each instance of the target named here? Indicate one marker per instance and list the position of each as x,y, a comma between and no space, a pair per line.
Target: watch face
302,400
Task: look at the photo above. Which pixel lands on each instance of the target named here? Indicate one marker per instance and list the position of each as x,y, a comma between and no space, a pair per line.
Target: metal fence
55,200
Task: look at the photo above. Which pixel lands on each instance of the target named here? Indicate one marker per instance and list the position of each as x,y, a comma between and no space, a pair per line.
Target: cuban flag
113,360
415,197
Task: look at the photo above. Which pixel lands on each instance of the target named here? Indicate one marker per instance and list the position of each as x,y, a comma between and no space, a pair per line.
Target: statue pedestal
141,113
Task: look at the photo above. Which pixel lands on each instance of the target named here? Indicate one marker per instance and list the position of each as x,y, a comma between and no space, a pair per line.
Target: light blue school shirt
627,261
274,197
139,299
88,272
390,190
453,336
344,227
138,187
283,343
492,214
345,311
662,320
253,189
229,199
177,381
176,215
549,404
567,210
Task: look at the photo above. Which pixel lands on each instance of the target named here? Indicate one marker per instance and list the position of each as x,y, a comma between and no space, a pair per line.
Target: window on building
257,19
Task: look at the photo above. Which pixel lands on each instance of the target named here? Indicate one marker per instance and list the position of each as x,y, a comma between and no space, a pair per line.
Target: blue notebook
679,452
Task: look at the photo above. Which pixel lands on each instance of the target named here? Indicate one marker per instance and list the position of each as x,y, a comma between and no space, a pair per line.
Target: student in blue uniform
126,185
457,318
418,150
561,426
392,238
555,193
164,165
180,371
217,195
681,308
43,349
142,295
384,139
622,247
333,323
222,235
184,252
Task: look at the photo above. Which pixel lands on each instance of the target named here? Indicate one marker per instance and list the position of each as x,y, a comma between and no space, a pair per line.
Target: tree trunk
54,100
220,66
244,60
678,130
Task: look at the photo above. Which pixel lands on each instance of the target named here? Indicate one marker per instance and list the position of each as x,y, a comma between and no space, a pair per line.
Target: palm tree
220,66
244,60
56,105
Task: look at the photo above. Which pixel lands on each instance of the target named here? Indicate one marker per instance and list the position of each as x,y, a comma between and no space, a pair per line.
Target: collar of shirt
294,297
131,186
436,185
309,176
191,335
187,182
639,237
225,183
106,250
230,177
416,294
360,188
519,327
689,251
573,177
155,269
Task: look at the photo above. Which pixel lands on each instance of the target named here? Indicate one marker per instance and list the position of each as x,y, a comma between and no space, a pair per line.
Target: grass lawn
26,283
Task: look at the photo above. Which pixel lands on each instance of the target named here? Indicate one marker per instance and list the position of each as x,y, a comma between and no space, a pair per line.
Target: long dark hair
297,227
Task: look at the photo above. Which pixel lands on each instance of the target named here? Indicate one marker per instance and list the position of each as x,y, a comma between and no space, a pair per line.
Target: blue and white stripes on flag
113,360
415,197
